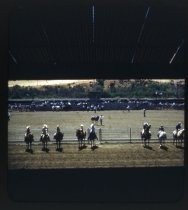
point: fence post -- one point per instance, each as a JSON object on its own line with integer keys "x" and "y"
{"x": 100, "y": 134}
{"x": 130, "y": 135}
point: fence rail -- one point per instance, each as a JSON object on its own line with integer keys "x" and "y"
{"x": 121, "y": 135}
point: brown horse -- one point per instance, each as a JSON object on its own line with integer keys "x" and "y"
{"x": 29, "y": 138}
{"x": 58, "y": 137}
{"x": 95, "y": 118}
{"x": 81, "y": 135}
{"x": 146, "y": 135}
{"x": 92, "y": 136}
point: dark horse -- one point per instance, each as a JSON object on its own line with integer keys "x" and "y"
{"x": 44, "y": 139}
{"x": 58, "y": 137}
{"x": 95, "y": 118}
{"x": 29, "y": 138}
{"x": 146, "y": 135}
{"x": 92, "y": 136}
{"x": 81, "y": 135}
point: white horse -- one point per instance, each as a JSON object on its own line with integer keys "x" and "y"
{"x": 178, "y": 136}
{"x": 162, "y": 137}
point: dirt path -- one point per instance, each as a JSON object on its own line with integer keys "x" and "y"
{"x": 106, "y": 155}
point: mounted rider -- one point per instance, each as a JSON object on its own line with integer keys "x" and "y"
{"x": 178, "y": 127}
{"x": 58, "y": 129}
{"x": 82, "y": 128}
{"x": 146, "y": 126}
{"x": 45, "y": 131}
{"x": 161, "y": 131}
{"x": 28, "y": 131}
{"x": 161, "y": 128}
{"x": 80, "y": 132}
{"x": 92, "y": 128}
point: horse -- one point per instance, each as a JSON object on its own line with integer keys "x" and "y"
{"x": 81, "y": 135}
{"x": 95, "y": 118}
{"x": 92, "y": 136}
{"x": 146, "y": 135}
{"x": 28, "y": 138}
{"x": 58, "y": 137}
{"x": 178, "y": 136}
{"x": 44, "y": 139}
{"x": 162, "y": 137}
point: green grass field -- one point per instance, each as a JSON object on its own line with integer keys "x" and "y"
{"x": 114, "y": 122}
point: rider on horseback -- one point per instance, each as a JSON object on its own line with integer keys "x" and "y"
{"x": 44, "y": 131}
{"x": 58, "y": 129}
{"x": 82, "y": 128}
{"x": 178, "y": 127}
{"x": 92, "y": 128}
{"x": 146, "y": 126}
{"x": 161, "y": 128}
{"x": 28, "y": 131}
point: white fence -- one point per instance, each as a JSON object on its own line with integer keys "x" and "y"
{"x": 105, "y": 135}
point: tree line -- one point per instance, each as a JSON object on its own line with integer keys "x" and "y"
{"x": 104, "y": 89}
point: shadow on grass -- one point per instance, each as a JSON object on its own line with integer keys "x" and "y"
{"x": 29, "y": 151}
{"x": 59, "y": 149}
{"x": 94, "y": 147}
{"x": 45, "y": 150}
{"x": 179, "y": 147}
{"x": 164, "y": 147}
{"x": 148, "y": 147}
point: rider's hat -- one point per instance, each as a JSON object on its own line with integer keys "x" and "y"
{"x": 81, "y": 125}
{"x": 28, "y": 127}
{"x": 45, "y": 126}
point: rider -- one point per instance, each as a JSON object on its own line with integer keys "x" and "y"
{"x": 145, "y": 125}
{"x": 161, "y": 128}
{"x": 178, "y": 127}
{"x": 101, "y": 118}
{"x": 58, "y": 129}
{"x": 44, "y": 130}
{"x": 28, "y": 131}
{"x": 82, "y": 128}
{"x": 92, "y": 128}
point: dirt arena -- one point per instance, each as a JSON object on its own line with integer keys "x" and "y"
{"x": 107, "y": 154}
{"x": 120, "y": 155}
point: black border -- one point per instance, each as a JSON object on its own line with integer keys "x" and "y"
{"x": 5, "y": 199}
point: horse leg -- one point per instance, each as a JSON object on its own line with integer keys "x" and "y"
{"x": 56, "y": 145}
{"x": 27, "y": 146}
